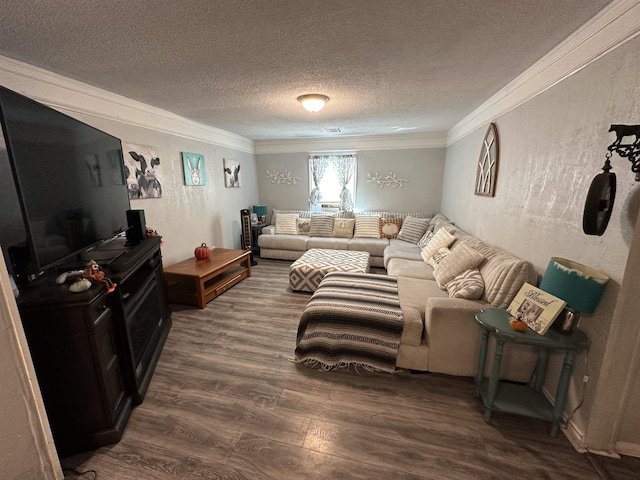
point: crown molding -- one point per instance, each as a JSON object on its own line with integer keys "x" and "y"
{"x": 615, "y": 25}
{"x": 351, "y": 144}
{"x": 74, "y": 97}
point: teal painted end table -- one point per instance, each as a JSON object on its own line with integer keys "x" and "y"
{"x": 523, "y": 399}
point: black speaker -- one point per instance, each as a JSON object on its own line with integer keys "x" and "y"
{"x": 23, "y": 264}
{"x": 137, "y": 230}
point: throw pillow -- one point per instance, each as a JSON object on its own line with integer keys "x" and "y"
{"x": 286, "y": 223}
{"x": 413, "y": 229}
{"x": 321, "y": 226}
{"x": 390, "y": 227}
{"x": 437, "y": 218}
{"x": 461, "y": 259}
{"x": 303, "y": 226}
{"x": 425, "y": 239}
{"x": 468, "y": 285}
{"x": 343, "y": 227}
{"x": 367, "y": 226}
{"x": 440, "y": 239}
{"x": 437, "y": 257}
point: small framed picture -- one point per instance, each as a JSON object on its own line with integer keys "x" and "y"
{"x": 536, "y": 307}
{"x": 193, "y": 166}
{"x": 231, "y": 173}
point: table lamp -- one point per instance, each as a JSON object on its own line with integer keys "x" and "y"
{"x": 261, "y": 212}
{"x": 578, "y": 285}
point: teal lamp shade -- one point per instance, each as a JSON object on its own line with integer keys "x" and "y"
{"x": 261, "y": 212}
{"x": 578, "y": 285}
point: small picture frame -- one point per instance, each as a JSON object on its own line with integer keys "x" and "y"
{"x": 231, "y": 173}
{"x": 254, "y": 219}
{"x": 193, "y": 168}
{"x": 537, "y": 308}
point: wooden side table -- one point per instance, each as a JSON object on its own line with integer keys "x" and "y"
{"x": 522, "y": 399}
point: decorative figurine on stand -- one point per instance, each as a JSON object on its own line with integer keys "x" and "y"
{"x": 151, "y": 232}
{"x": 92, "y": 273}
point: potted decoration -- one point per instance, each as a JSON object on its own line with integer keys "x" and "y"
{"x": 202, "y": 252}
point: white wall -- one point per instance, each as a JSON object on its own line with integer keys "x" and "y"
{"x": 550, "y": 149}
{"x": 423, "y": 168}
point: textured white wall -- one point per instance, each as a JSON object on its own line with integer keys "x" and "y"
{"x": 550, "y": 149}
{"x": 422, "y": 167}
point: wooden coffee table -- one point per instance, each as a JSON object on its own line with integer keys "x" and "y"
{"x": 197, "y": 282}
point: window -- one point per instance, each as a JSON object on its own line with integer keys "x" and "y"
{"x": 332, "y": 181}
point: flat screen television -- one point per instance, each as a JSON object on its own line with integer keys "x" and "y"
{"x": 68, "y": 184}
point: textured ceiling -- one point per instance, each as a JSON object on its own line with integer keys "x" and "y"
{"x": 390, "y": 66}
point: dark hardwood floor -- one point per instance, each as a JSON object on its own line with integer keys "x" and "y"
{"x": 226, "y": 402}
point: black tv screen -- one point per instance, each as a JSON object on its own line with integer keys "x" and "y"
{"x": 68, "y": 177}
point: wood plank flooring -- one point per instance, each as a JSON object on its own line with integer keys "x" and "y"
{"x": 226, "y": 402}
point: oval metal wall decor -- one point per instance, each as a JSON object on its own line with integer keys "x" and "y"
{"x": 487, "y": 171}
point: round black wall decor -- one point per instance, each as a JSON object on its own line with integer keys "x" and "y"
{"x": 599, "y": 203}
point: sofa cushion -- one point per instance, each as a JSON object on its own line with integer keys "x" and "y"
{"x": 343, "y": 227}
{"x": 300, "y": 213}
{"x": 401, "y": 267}
{"x": 367, "y": 226}
{"x": 442, "y": 238}
{"x": 503, "y": 273}
{"x": 438, "y": 219}
{"x": 468, "y": 284}
{"x": 390, "y": 227}
{"x": 428, "y": 235}
{"x": 321, "y": 226}
{"x": 413, "y": 327}
{"x": 283, "y": 242}
{"x": 400, "y": 249}
{"x": 286, "y": 223}
{"x": 334, "y": 243}
{"x": 413, "y": 229}
{"x": 456, "y": 262}
{"x": 437, "y": 257}
{"x": 414, "y": 292}
{"x": 375, "y": 246}
{"x": 303, "y": 225}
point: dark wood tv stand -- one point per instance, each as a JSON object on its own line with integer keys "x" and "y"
{"x": 94, "y": 353}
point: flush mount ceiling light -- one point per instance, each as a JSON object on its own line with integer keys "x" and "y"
{"x": 313, "y": 102}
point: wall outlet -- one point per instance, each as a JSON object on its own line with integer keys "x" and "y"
{"x": 585, "y": 379}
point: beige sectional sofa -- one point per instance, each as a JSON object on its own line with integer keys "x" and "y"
{"x": 440, "y": 333}
{"x": 291, "y": 247}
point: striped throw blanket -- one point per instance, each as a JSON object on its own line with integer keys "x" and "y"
{"x": 351, "y": 319}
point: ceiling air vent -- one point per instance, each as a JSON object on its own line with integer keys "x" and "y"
{"x": 334, "y": 130}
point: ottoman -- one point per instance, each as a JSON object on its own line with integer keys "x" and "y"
{"x": 306, "y": 273}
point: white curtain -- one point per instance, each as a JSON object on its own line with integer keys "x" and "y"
{"x": 345, "y": 166}
{"x": 318, "y": 167}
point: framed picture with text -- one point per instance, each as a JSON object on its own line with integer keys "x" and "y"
{"x": 536, "y": 307}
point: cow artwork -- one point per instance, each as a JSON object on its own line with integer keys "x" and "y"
{"x": 141, "y": 165}
{"x": 193, "y": 165}
{"x": 231, "y": 173}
